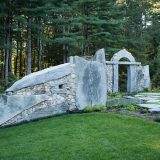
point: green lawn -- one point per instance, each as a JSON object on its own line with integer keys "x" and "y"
{"x": 97, "y": 136}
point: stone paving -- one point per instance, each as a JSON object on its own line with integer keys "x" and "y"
{"x": 150, "y": 100}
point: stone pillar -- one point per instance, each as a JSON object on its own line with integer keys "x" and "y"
{"x": 100, "y": 56}
{"x": 90, "y": 83}
{"x": 131, "y": 83}
{"x": 142, "y": 78}
{"x": 115, "y": 78}
{"x": 147, "y": 81}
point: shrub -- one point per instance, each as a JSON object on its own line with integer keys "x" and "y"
{"x": 116, "y": 95}
{"x": 146, "y": 89}
{"x": 11, "y": 79}
{"x": 130, "y": 106}
{"x": 157, "y": 119}
{"x": 94, "y": 108}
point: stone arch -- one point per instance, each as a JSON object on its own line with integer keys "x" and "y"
{"x": 123, "y": 54}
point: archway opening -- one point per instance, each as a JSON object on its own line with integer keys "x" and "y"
{"x": 123, "y": 78}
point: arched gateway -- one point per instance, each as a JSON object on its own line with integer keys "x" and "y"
{"x": 138, "y": 75}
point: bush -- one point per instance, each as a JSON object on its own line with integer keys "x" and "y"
{"x": 132, "y": 107}
{"x": 116, "y": 95}
{"x": 147, "y": 89}
{"x": 157, "y": 119}
{"x": 94, "y": 108}
{"x": 122, "y": 105}
{"x": 11, "y": 79}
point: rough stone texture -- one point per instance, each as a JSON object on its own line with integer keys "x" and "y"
{"x": 40, "y": 100}
{"x": 131, "y": 82}
{"x": 138, "y": 76}
{"x": 109, "y": 76}
{"x": 91, "y": 83}
{"x": 10, "y": 106}
{"x": 151, "y": 101}
{"x": 142, "y": 78}
{"x": 151, "y": 107}
{"x": 100, "y": 56}
{"x": 123, "y": 54}
{"x": 55, "y": 90}
{"x": 68, "y": 87}
{"x": 42, "y": 77}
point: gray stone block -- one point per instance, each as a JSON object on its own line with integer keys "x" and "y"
{"x": 123, "y": 54}
{"x": 100, "y": 56}
{"x": 10, "y": 106}
{"x": 91, "y": 83}
{"x": 43, "y": 76}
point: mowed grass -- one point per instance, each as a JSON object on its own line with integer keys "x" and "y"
{"x": 90, "y": 136}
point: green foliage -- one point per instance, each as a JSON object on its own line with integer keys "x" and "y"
{"x": 122, "y": 105}
{"x": 116, "y": 95}
{"x": 147, "y": 89}
{"x": 63, "y": 28}
{"x": 11, "y": 79}
{"x": 94, "y": 108}
{"x": 131, "y": 107}
{"x": 156, "y": 118}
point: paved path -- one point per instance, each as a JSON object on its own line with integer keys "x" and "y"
{"x": 150, "y": 101}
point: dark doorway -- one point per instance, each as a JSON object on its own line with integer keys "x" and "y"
{"x": 123, "y": 76}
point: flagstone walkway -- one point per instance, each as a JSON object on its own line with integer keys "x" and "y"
{"x": 150, "y": 100}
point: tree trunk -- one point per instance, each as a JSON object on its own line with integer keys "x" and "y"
{"x": 40, "y": 53}
{"x": 16, "y": 58}
{"x": 29, "y": 49}
{"x": 85, "y": 46}
{"x": 20, "y": 57}
{"x": 7, "y": 58}
{"x": 3, "y": 59}
{"x": 10, "y": 53}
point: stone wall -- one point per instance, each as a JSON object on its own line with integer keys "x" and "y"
{"x": 59, "y": 98}
{"x": 55, "y": 90}
{"x": 109, "y": 76}
{"x": 68, "y": 87}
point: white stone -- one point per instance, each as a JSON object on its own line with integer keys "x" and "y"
{"x": 43, "y": 76}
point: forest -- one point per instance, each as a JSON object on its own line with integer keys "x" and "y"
{"x": 36, "y": 34}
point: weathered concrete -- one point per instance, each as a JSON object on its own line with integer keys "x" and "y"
{"x": 115, "y": 78}
{"x": 123, "y": 62}
{"x": 41, "y": 77}
{"x": 69, "y": 87}
{"x": 100, "y": 56}
{"x": 109, "y": 76}
{"x": 131, "y": 83}
{"x": 123, "y": 54}
{"x": 142, "y": 78}
{"x": 39, "y": 99}
{"x": 10, "y": 106}
{"x": 138, "y": 76}
{"x": 91, "y": 83}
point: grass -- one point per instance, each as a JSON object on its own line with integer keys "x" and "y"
{"x": 89, "y": 136}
